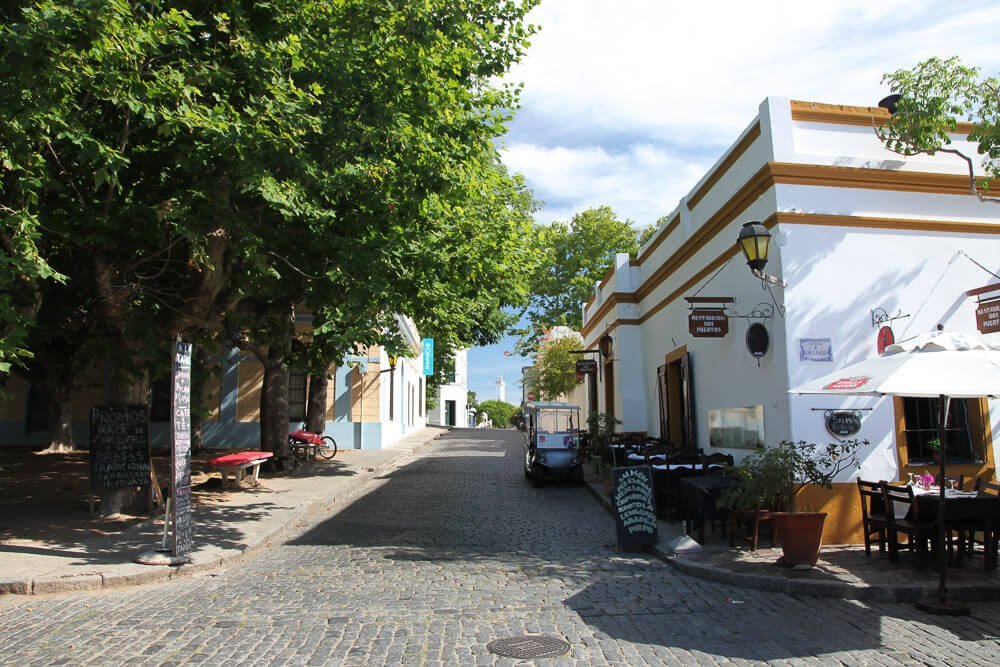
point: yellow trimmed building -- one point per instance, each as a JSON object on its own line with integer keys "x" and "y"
{"x": 368, "y": 406}
{"x": 872, "y": 246}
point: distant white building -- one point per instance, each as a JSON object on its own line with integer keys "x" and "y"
{"x": 452, "y": 407}
{"x": 501, "y": 390}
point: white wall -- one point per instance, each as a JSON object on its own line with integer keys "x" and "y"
{"x": 836, "y": 275}
{"x": 457, "y": 392}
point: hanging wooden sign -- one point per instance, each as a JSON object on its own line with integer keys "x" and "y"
{"x": 586, "y": 366}
{"x": 708, "y": 323}
{"x": 988, "y": 317}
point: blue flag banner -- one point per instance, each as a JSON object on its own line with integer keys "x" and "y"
{"x": 428, "y": 356}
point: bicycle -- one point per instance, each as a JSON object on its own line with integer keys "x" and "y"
{"x": 303, "y": 442}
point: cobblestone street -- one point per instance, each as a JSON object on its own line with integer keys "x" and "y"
{"x": 453, "y": 549}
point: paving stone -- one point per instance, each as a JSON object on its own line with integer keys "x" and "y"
{"x": 455, "y": 549}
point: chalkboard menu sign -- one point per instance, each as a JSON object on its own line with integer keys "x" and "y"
{"x": 180, "y": 486}
{"x": 119, "y": 446}
{"x": 635, "y": 513}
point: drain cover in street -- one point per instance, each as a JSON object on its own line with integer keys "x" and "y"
{"x": 528, "y": 646}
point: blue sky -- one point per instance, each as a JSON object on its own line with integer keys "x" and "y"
{"x": 629, "y": 102}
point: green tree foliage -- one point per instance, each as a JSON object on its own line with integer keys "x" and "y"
{"x": 209, "y": 168}
{"x": 571, "y": 258}
{"x": 555, "y": 366}
{"x": 500, "y": 412}
{"x": 934, "y": 97}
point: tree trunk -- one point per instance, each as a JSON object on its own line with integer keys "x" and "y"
{"x": 199, "y": 372}
{"x": 60, "y": 421}
{"x": 274, "y": 406}
{"x": 126, "y": 390}
{"x": 316, "y": 407}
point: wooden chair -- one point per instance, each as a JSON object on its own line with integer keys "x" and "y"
{"x": 917, "y": 530}
{"x": 974, "y": 533}
{"x": 669, "y": 493}
{"x": 716, "y": 464}
{"x": 756, "y": 520}
{"x": 874, "y": 521}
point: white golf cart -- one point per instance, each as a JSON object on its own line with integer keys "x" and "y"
{"x": 552, "y": 442}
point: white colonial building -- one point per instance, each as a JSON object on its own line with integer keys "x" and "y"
{"x": 453, "y": 399}
{"x": 704, "y": 353}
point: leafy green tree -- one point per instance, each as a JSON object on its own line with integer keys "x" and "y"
{"x": 934, "y": 97}
{"x": 555, "y": 365}
{"x": 237, "y": 160}
{"x": 500, "y": 412}
{"x": 572, "y": 257}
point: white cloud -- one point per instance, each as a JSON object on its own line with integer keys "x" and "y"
{"x": 642, "y": 182}
{"x": 628, "y": 103}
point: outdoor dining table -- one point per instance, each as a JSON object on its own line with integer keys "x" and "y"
{"x": 698, "y": 497}
{"x": 964, "y": 506}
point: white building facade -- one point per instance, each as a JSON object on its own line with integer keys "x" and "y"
{"x": 453, "y": 399}
{"x": 865, "y": 239}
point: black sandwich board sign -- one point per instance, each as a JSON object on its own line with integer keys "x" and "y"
{"x": 180, "y": 450}
{"x": 635, "y": 512}
{"x": 119, "y": 446}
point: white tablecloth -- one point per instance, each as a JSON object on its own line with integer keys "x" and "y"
{"x": 901, "y": 509}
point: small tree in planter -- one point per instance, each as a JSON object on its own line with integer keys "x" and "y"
{"x": 771, "y": 478}
{"x": 601, "y": 427}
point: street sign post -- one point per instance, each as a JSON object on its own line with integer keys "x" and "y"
{"x": 180, "y": 484}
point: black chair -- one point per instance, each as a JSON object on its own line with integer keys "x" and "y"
{"x": 874, "y": 521}
{"x": 716, "y": 463}
{"x": 668, "y": 496}
{"x": 903, "y": 516}
{"x": 973, "y": 533}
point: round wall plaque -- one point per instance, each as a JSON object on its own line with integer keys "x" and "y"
{"x": 758, "y": 340}
{"x": 843, "y": 423}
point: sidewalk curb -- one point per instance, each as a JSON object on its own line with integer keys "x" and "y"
{"x": 808, "y": 587}
{"x": 138, "y": 575}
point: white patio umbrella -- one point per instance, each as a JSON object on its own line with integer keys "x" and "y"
{"x": 942, "y": 365}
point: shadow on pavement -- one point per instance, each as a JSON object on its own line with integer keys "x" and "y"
{"x": 478, "y": 508}
{"x": 45, "y": 506}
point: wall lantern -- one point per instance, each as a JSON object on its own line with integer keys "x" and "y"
{"x": 606, "y": 345}
{"x": 393, "y": 360}
{"x": 755, "y": 241}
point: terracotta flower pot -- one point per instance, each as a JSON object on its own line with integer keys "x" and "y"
{"x": 801, "y": 536}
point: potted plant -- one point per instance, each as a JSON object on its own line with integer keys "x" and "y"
{"x": 601, "y": 428}
{"x": 773, "y": 478}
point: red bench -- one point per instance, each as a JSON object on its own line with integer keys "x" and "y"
{"x": 238, "y": 464}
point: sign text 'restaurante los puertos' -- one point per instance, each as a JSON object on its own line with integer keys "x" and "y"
{"x": 708, "y": 323}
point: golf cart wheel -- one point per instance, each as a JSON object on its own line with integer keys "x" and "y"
{"x": 327, "y": 449}
{"x": 537, "y": 475}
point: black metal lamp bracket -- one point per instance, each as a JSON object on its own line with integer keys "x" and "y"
{"x": 880, "y": 317}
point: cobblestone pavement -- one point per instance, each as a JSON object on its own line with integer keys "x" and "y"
{"x": 452, "y": 550}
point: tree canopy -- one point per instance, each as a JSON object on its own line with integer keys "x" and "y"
{"x": 933, "y": 97}
{"x": 211, "y": 168}
{"x": 500, "y": 412}
{"x": 572, "y": 257}
{"x": 554, "y": 372}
